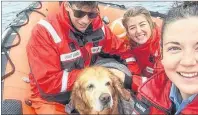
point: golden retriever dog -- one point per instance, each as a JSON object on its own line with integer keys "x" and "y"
{"x": 96, "y": 91}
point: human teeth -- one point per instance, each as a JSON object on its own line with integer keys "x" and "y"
{"x": 140, "y": 36}
{"x": 189, "y": 74}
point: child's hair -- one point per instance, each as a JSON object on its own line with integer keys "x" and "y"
{"x": 180, "y": 11}
{"x": 80, "y": 4}
{"x": 135, "y": 11}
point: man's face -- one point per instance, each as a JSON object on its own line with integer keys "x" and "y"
{"x": 81, "y": 17}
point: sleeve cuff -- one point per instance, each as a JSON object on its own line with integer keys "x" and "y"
{"x": 127, "y": 82}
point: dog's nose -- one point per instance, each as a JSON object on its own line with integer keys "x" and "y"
{"x": 105, "y": 98}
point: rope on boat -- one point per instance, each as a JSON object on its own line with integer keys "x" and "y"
{"x": 11, "y": 63}
{"x": 14, "y": 28}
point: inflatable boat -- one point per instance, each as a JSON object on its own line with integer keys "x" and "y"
{"x": 14, "y": 66}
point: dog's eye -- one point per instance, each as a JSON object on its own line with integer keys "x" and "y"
{"x": 90, "y": 86}
{"x": 108, "y": 84}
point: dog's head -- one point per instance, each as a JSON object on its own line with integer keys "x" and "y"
{"x": 97, "y": 90}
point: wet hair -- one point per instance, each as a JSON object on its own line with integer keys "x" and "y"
{"x": 80, "y": 4}
{"x": 135, "y": 11}
{"x": 181, "y": 10}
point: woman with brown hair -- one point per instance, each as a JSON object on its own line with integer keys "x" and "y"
{"x": 144, "y": 43}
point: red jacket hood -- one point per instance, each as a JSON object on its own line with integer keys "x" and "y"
{"x": 157, "y": 91}
{"x": 63, "y": 16}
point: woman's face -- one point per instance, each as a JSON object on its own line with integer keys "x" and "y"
{"x": 138, "y": 29}
{"x": 180, "y": 54}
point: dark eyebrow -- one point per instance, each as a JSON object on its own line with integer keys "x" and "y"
{"x": 176, "y": 43}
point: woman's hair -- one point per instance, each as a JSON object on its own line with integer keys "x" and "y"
{"x": 135, "y": 11}
{"x": 182, "y": 10}
{"x": 80, "y": 4}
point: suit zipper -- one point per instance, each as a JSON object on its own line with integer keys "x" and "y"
{"x": 156, "y": 106}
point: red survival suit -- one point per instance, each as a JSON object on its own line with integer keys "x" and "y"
{"x": 153, "y": 97}
{"x": 144, "y": 60}
{"x": 57, "y": 52}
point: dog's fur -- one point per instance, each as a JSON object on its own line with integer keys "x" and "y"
{"x": 91, "y": 84}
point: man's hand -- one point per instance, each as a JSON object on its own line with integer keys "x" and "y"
{"x": 118, "y": 73}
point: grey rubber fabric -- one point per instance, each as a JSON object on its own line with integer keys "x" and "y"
{"x": 11, "y": 106}
{"x": 126, "y": 107}
{"x": 112, "y": 63}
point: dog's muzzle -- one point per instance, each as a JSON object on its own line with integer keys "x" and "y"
{"x": 105, "y": 99}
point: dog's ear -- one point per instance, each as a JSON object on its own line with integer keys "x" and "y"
{"x": 78, "y": 99}
{"x": 119, "y": 87}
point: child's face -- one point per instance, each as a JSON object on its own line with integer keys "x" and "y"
{"x": 138, "y": 29}
{"x": 180, "y": 54}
